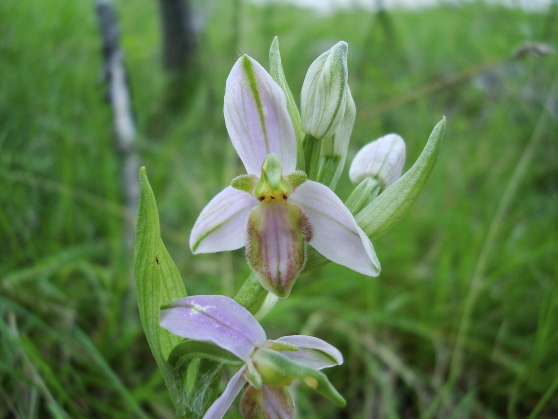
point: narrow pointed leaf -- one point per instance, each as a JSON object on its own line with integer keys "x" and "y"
{"x": 195, "y": 349}
{"x": 276, "y": 71}
{"x": 157, "y": 282}
{"x": 391, "y": 205}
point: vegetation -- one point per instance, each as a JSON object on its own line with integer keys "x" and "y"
{"x": 460, "y": 324}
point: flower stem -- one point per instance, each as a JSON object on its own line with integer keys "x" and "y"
{"x": 328, "y": 171}
{"x": 311, "y": 156}
{"x": 251, "y": 295}
{"x": 365, "y": 192}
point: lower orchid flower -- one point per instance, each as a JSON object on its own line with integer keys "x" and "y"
{"x": 274, "y": 210}
{"x": 269, "y": 366}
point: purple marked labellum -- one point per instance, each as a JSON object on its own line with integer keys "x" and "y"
{"x": 277, "y": 234}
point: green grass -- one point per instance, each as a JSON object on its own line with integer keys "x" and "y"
{"x": 460, "y": 324}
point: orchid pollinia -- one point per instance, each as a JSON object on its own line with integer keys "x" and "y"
{"x": 274, "y": 210}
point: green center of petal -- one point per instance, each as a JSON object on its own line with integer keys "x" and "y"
{"x": 272, "y": 186}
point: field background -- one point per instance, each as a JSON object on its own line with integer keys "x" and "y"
{"x": 462, "y": 322}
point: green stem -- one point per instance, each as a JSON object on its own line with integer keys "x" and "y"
{"x": 251, "y": 295}
{"x": 328, "y": 170}
{"x": 365, "y": 192}
{"x": 311, "y": 156}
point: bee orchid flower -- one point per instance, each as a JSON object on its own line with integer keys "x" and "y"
{"x": 268, "y": 366}
{"x": 274, "y": 210}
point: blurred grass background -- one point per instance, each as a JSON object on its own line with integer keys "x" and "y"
{"x": 460, "y": 324}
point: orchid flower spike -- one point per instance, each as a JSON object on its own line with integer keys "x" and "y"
{"x": 268, "y": 365}
{"x": 274, "y": 210}
{"x": 382, "y": 159}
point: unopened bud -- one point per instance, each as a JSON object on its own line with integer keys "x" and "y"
{"x": 323, "y": 98}
{"x": 336, "y": 145}
{"x": 382, "y": 159}
{"x": 334, "y": 149}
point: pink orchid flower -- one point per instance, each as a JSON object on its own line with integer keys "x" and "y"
{"x": 274, "y": 210}
{"x": 269, "y": 366}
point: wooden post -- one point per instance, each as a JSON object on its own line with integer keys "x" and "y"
{"x": 120, "y": 100}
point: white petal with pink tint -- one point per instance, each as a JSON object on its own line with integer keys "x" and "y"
{"x": 222, "y": 222}
{"x": 336, "y": 233}
{"x": 216, "y": 319}
{"x": 312, "y": 351}
{"x": 257, "y": 118}
{"x": 222, "y": 404}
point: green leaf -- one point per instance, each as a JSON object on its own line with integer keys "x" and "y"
{"x": 195, "y": 349}
{"x": 276, "y": 71}
{"x": 157, "y": 282}
{"x": 200, "y": 379}
{"x": 391, "y": 205}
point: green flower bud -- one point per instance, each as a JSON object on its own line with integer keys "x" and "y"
{"x": 323, "y": 97}
{"x": 333, "y": 149}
